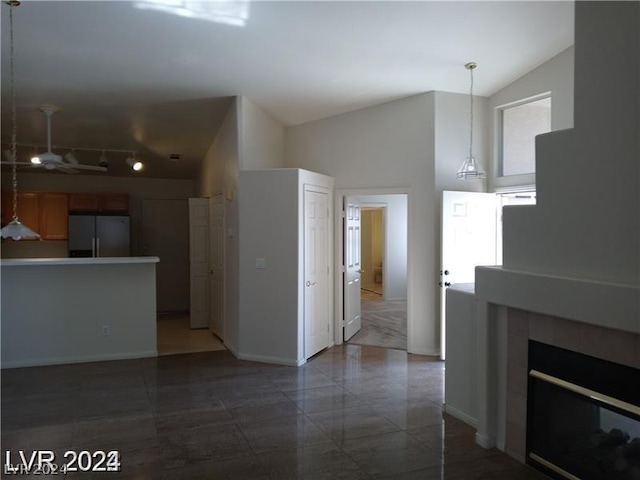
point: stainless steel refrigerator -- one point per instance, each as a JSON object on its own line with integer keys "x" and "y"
{"x": 99, "y": 236}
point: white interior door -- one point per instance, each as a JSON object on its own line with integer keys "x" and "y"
{"x": 199, "y": 261}
{"x": 468, "y": 239}
{"x": 316, "y": 270}
{"x": 216, "y": 315}
{"x": 352, "y": 267}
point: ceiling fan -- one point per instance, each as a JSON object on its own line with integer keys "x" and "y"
{"x": 53, "y": 161}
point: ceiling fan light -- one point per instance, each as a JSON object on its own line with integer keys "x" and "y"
{"x": 36, "y": 160}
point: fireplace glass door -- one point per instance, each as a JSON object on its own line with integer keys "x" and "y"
{"x": 579, "y": 431}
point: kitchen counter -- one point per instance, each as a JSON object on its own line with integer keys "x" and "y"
{"x": 69, "y": 310}
{"x": 15, "y": 262}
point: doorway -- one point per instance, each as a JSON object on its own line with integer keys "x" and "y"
{"x": 381, "y": 248}
{"x": 372, "y": 246}
{"x": 164, "y": 233}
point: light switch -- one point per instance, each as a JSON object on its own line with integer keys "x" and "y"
{"x": 261, "y": 263}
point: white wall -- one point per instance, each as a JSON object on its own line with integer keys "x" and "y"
{"x": 261, "y": 138}
{"x": 388, "y": 145}
{"x": 395, "y": 242}
{"x": 555, "y": 76}
{"x": 269, "y": 300}
{"x": 586, "y": 223}
{"x": 219, "y": 174}
{"x": 55, "y": 313}
{"x": 272, "y": 228}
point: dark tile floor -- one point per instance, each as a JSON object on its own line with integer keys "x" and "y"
{"x": 352, "y": 412}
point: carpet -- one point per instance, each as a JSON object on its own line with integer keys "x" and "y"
{"x": 384, "y": 322}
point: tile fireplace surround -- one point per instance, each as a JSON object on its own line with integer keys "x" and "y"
{"x": 598, "y": 319}
{"x": 604, "y": 343}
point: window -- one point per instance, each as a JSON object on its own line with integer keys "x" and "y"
{"x": 520, "y": 124}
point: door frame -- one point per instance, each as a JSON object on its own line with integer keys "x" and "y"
{"x": 339, "y": 196}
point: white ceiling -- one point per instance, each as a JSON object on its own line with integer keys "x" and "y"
{"x": 130, "y": 75}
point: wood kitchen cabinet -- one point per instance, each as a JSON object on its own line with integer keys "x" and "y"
{"x": 113, "y": 202}
{"x": 54, "y": 216}
{"x": 99, "y": 202}
{"x": 83, "y": 202}
{"x": 43, "y": 212}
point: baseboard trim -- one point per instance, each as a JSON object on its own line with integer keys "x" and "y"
{"x": 233, "y": 350}
{"x": 485, "y": 442}
{"x": 428, "y": 353}
{"x": 41, "y": 362}
{"x": 269, "y": 359}
{"x": 463, "y": 417}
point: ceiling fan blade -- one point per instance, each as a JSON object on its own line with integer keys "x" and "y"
{"x": 88, "y": 167}
{"x": 16, "y": 163}
{"x": 69, "y": 170}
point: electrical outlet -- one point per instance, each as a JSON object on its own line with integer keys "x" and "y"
{"x": 105, "y": 330}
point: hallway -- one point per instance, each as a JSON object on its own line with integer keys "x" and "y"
{"x": 384, "y": 322}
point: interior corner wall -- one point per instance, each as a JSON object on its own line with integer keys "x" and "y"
{"x": 219, "y": 174}
{"x": 387, "y": 145}
{"x": 586, "y": 223}
{"x": 261, "y": 138}
{"x": 555, "y": 76}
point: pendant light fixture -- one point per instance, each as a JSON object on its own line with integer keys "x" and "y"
{"x": 14, "y": 229}
{"x": 471, "y": 169}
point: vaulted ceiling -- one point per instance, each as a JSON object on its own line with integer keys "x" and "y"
{"x": 156, "y": 76}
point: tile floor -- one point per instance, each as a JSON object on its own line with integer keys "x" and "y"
{"x": 352, "y": 412}
{"x": 175, "y": 336}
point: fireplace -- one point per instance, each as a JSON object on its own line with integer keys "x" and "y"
{"x": 583, "y": 416}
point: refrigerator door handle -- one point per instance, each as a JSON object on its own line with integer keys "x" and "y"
{"x": 93, "y": 247}
{"x": 97, "y": 247}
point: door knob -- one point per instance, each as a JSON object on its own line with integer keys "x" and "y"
{"x": 446, "y": 272}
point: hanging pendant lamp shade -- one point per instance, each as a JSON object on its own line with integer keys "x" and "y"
{"x": 471, "y": 169}
{"x": 14, "y": 229}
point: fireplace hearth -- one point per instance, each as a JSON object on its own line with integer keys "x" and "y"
{"x": 583, "y": 416}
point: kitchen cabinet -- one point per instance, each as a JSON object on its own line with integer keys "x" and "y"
{"x": 87, "y": 202}
{"x": 99, "y": 202}
{"x": 53, "y": 216}
{"x": 113, "y": 202}
{"x": 43, "y": 212}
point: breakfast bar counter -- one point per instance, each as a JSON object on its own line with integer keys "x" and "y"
{"x": 68, "y": 310}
